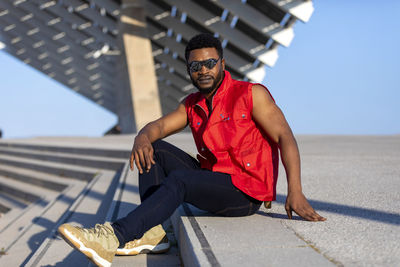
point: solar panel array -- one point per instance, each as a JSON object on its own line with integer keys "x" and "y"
{"x": 76, "y": 41}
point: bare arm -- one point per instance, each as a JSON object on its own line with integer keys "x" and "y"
{"x": 142, "y": 150}
{"x": 271, "y": 119}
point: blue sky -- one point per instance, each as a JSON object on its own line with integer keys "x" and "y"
{"x": 341, "y": 75}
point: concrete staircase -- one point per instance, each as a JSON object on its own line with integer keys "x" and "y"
{"x": 44, "y": 185}
{"x": 45, "y": 182}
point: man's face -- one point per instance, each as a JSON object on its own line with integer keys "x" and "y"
{"x": 206, "y": 79}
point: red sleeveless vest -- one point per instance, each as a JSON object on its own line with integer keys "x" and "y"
{"x": 229, "y": 141}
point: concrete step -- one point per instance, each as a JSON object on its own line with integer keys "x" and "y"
{"x": 258, "y": 240}
{"x": 42, "y": 179}
{"x": 62, "y": 157}
{"x": 29, "y": 230}
{"x": 19, "y": 193}
{"x": 89, "y": 208}
{"x": 71, "y": 148}
{"x": 22, "y": 186}
{"x": 22, "y": 192}
{"x": 16, "y": 210}
{"x": 9, "y": 205}
{"x": 35, "y": 197}
{"x": 66, "y": 170}
{"x": 3, "y": 208}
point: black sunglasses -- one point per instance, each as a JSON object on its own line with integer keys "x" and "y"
{"x": 210, "y": 63}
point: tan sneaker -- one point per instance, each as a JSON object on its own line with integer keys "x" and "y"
{"x": 153, "y": 241}
{"x": 98, "y": 244}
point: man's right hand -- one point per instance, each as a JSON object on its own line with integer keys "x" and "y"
{"x": 142, "y": 153}
{"x": 142, "y": 150}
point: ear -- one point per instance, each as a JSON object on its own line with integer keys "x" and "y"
{"x": 187, "y": 69}
{"x": 223, "y": 63}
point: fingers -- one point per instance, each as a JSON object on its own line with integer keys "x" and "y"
{"x": 137, "y": 162}
{"x": 132, "y": 159}
{"x": 148, "y": 158}
{"x": 310, "y": 215}
{"x": 152, "y": 156}
{"x": 143, "y": 159}
{"x": 289, "y": 212}
{"x": 317, "y": 218}
{"x": 303, "y": 209}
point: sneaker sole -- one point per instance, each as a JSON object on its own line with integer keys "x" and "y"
{"x": 74, "y": 242}
{"x": 160, "y": 248}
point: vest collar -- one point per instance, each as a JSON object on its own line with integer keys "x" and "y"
{"x": 221, "y": 91}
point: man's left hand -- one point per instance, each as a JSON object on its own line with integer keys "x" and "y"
{"x": 298, "y": 203}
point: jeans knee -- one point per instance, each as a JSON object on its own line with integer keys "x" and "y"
{"x": 176, "y": 176}
{"x": 160, "y": 147}
{"x": 175, "y": 181}
{"x": 158, "y": 144}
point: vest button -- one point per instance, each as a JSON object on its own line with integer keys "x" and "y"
{"x": 248, "y": 164}
{"x": 202, "y": 149}
{"x": 243, "y": 116}
{"x": 198, "y": 123}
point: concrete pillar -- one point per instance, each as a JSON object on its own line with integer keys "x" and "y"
{"x": 138, "y": 99}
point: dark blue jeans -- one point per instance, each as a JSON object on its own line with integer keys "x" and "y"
{"x": 176, "y": 178}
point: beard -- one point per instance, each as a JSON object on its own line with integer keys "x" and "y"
{"x": 216, "y": 83}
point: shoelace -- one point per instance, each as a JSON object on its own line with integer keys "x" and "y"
{"x": 98, "y": 230}
{"x": 131, "y": 244}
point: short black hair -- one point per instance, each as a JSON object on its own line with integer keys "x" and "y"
{"x": 203, "y": 40}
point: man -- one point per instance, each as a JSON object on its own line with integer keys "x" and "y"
{"x": 237, "y": 129}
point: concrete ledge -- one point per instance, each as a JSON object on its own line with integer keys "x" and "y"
{"x": 207, "y": 240}
{"x": 189, "y": 245}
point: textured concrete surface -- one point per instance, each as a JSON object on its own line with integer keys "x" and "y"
{"x": 257, "y": 240}
{"x": 354, "y": 181}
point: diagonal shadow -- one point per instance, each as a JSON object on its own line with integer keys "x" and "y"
{"x": 88, "y": 220}
{"x": 352, "y": 211}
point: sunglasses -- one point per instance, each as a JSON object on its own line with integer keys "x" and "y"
{"x": 210, "y": 63}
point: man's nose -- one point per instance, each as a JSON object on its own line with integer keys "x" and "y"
{"x": 203, "y": 69}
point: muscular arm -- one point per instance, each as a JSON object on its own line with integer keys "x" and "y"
{"x": 272, "y": 121}
{"x": 142, "y": 150}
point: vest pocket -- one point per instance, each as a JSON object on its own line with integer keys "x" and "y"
{"x": 253, "y": 164}
{"x": 227, "y": 129}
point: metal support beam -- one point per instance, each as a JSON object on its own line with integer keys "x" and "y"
{"x": 139, "y": 101}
